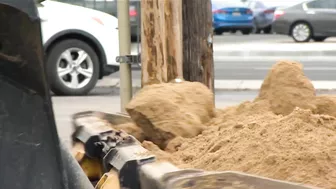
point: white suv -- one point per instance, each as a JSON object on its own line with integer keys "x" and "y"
{"x": 81, "y": 46}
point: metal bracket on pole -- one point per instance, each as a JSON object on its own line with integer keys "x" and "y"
{"x": 129, "y": 59}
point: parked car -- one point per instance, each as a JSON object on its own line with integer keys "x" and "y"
{"x": 263, "y": 15}
{"x": 313, "y": 19}
{"x": 231, "y": 16}
{"x": 80, "y": 44}
{"x": 111, "y": 7}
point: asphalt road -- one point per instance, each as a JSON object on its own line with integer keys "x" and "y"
{"x": 256, "y": 67}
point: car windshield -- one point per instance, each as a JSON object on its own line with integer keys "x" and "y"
{"x": 280, "y": 3}
{"x": 218, "y": 4}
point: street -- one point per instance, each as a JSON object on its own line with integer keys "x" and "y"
{"x": 234, "y": 69}
{"x": 232, "y": 63}
{"x": 237, "y": 64}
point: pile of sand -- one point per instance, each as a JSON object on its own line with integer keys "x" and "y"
{"x": 286, "y": 133}
{"x": 286, "y": 87}
{"x": 300, "y": 147}
{"x": 165, "y": 111}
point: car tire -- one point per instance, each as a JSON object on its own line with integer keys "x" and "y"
{"x": 268, "y": 30}
{"x": 73, "y": 59}
{"x": 218, "y": 32}
{"x": 246, "y": 32}
{"x": 257, "y": 31}
{"x": 319, "y": 39}
{"x": 301, "y": 32}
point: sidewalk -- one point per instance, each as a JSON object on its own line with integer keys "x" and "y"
{"x": 276, "y": 49}
{"x": 226, "y": 84}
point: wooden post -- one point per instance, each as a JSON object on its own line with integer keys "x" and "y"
{"x": 197, "y": 42}
{"x": 161, "y": 41}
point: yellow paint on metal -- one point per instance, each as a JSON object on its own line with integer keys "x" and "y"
{"x": 109, "y": 180}
{"x": 92, "y": 168}
{"x": 78, "y": 151}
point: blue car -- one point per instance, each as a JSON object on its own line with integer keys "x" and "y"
{"x": 263, "y": 15}
{"x": 231, "y": 16}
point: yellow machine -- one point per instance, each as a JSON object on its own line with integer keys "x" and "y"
{"x": 31, "y": 155}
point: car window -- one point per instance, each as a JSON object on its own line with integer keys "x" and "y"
{"x": 281, "y": 3}
{"x": 259, "y": 5}
{"x": 218, "y": 4}
{"x": 322, "y": 4}
{"x": 251, "y": 4}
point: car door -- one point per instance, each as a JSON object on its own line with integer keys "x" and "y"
{"x": 322, "y": 15}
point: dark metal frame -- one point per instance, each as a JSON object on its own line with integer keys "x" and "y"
{"x": 31, "y": 155}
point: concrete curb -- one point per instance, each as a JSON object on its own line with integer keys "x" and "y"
{"x": 276, "y": 49}
{"x": 229, "y": 84}
{"x": 278, "y": 53}
{"x": 244, "y": 59}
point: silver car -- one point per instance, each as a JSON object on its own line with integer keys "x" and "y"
{"x": 263, "y": 15}
{"x": 313, "y": 19}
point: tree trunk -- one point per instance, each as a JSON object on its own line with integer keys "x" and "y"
{"x": 197, "y": 42}
{"x": 161, "y": 41}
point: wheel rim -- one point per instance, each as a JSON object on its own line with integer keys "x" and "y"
{"x": 301, "y": 32}
{"x": 75, "y": 68}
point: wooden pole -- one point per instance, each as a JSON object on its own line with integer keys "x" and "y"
{"x": 161, "y": 41}
{"x": 197, "y": 42}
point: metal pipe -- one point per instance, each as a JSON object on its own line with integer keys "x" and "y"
{"x": 124, "y": 49}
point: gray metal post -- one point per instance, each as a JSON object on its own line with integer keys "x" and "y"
{"x": 124, "y": 49}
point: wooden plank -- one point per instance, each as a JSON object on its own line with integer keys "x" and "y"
{"x": 161, "y": 41}
{"x": 197, "y": 42}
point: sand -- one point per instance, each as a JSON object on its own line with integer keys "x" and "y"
{"x": 286, "y": 87}
{"x": 299, "y": 147}
{"x": 165, "y": 111}
{"x": 286, "y": 133}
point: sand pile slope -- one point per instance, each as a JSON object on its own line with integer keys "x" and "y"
{"x": 325, "y": 104}
{"x": 286, "y": 133}
{"x": 286, "y": 87}
{"x": 299, "y": 147}
{"x": 165, "y": 111}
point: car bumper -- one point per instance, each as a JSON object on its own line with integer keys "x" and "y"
{"x": 265, "y": 24}
{"x": 264, "y": 21}
{"x": 110, "y": 43}
{"x": 110, "y": 69}
{"x": 232, "y": 26}
{"x": 281, "y": 27}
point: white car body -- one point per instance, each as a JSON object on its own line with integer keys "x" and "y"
{"x": 58, "y": 17}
